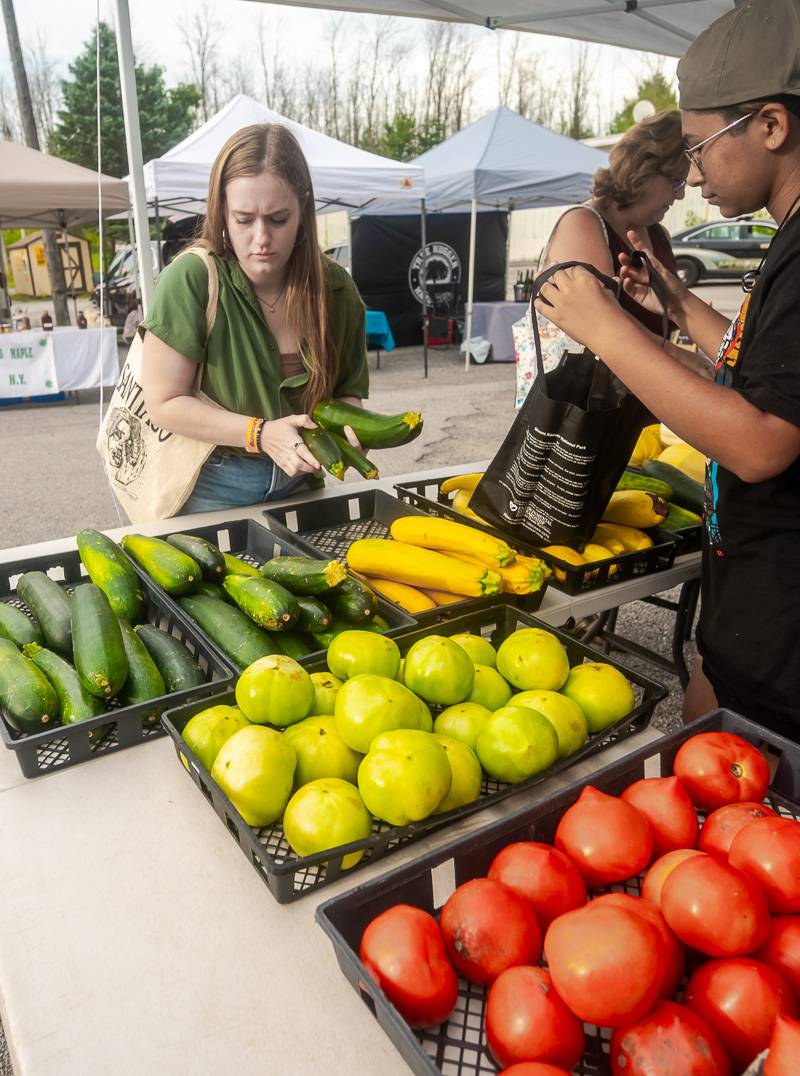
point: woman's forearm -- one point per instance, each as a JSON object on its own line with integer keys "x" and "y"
{"x": 202, "y": 421}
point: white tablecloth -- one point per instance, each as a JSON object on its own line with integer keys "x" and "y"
{"x": 77, "y": 355}
{"x": 493, "y": 321}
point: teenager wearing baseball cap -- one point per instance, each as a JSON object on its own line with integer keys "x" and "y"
{"x": 740, "y": 113}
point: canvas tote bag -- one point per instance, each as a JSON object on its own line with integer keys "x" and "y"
{"x": 152, "y": 471}
{"x": 570, "y": 442}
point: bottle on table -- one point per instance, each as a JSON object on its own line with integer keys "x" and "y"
{"x": 47, "y": 321}
{"x": 81, "y": 320}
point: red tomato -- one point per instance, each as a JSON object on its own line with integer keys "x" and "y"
{"x": 606, "y": 838}
{"x": 722, "y": 825}
{"x": 666, "y": 806}
{"x": 739, "y": 999}
{"x": 606, "y": 963}
{"x": 674, "y": 955}
{"x": 768, "y": 851}
{"x": 403, "y": 951}
{"x": 670, "y": 1040}
{"x": 720, "y": 767}
{"x": 781, "y": 950}
{"x": 526, "y": 1020}
{"x": 661, "y": 870}
{"x": 784, "y": 1047}
{"x": 534, "y": 1068}
{"x": 714, "y": 907}
{"x": 487, "y": 928}
{"x": 542, "y": 875}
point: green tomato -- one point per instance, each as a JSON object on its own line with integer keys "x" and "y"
{"x": 355, "y": 652}
{"x": 206, "y": 732}
{"x": 426, "y": 717}
{"x": 275, "y": 690}
{"x": 438, "y": 670}
{"x": 517, "y": 743}
{"x": 255, "y": 768}
{"x": 326, "y": 688}
{"x": 326, "y": 813}
{"x": 532, "y": 658}
{"x": 466, "y": 771}
{"x": 464, "y": 722}
{"x": 480, "y": 650}
{"x": 405, "y": 776}
{"x": 602, "y": 692}
{"x": 564, "y": 715}
{"x": 321, "y": 752}
{"x": 368, "y": 705}
{"x": 489, "y": 689}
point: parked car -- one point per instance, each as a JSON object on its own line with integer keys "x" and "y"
{"x": 722, "y": 250}
{"x": 120, "y": 283}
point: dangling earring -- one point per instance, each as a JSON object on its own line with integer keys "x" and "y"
{"x": 225, "y": 240}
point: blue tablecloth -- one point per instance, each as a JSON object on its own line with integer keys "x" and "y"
{"x": 378, "y": 332}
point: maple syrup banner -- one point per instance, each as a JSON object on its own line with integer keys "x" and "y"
{"x": 566, "y": 449}
{"x": 27, "y": 365}
{"x": 387, "y": 266}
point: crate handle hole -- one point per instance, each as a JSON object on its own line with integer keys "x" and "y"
{"x": 232, "y": 827}
{"x": 367, "y": 998}
{"x": 224, "y": 541}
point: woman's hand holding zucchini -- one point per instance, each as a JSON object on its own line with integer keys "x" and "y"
{"x": 282, "y": 441}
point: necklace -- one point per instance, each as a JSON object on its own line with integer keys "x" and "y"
{"x": 750, "y": 278}
{"x": 271, "y": 306}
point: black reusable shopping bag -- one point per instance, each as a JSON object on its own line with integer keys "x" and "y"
{"x": 568, "y": 446}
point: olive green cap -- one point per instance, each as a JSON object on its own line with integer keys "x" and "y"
{"x": 752, "y": 52}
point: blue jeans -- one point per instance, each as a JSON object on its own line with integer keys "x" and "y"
{"x": 228, "y": 480}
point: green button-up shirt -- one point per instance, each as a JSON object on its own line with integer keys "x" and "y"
{"x": 243, "y": 371}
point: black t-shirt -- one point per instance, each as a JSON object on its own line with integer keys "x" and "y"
{"x": 749, "y": 630}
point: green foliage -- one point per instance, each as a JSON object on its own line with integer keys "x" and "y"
{"x": 691, "y": 219}
{"x": 404, "y": 138}
{"x": 165, "y": 114}
{"x": 655, "y": 89}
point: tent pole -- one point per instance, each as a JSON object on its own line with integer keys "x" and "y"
{"x": 5, "y": 310}
{"x": 133, "y": 142}
{"x": 159, "y": 261}
{"x": 424, "y": 230}
{"x": 471, "y": 278}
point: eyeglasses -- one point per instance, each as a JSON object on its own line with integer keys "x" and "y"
{"x": 692, "y": 153}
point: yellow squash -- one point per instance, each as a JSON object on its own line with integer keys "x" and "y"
{"x": 519, "y": 577}
{"x": 593, "y": 552}
{"x": 635, "y": 508}
{"x": 462, "y": 481}
{"x": 686, "y": 459}
{"x": 447, "y": 536}
{"x": 408, "y": 598}
{"x": 648, "y": 445}
{"x": 420, "y": 567}
{"x": 563, "y": 552}
{"x": 630, "y": 538}
{"x": 441, "y": 597}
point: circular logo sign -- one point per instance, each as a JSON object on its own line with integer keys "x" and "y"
{"x": 442, "y": 271}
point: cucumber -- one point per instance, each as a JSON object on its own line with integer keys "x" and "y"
{"x": 144, "y": 682}
{"x": 304, "y": 575}
{"x": 355, "y": 459}
{"x": 371, "y": 429}
{"x": 636, "y": 480}
{"x": 352, "y": 602}
{"x": 97, "y": 639}
{"x": 314, "y": 615}
{"x": 237, "y": 566}
{"x": 234, "y": 633}
{"x": 74, "y": 701}
{"x": 27, "y": 697}
{"x": 110, "y": 569}
{"x": 686, "y": 493}
{"x": 268, "y": 604}
{"x": 18, "y": 627}
{"x": 167, "y": 566}
{"x": 296, "y": 644}
{"x": 204, "y": 553}
{"x": 679, "y": 518}
{"x": 211, "y": 590}
{"x": 324, "y": 449}
{"x": 174, "y": 661}
{"x": 50, "y": 605}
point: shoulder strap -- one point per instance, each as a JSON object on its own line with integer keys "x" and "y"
{"x": 213, "y": 283}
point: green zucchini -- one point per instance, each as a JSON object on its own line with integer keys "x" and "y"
{"x": 324, "y": 449}
{"x": 324, "y": 639}
{"x": 144, "y": 682}
{"x": 110, "y": 569}
{"x": 304, "y": 575}
{"x": 237, "y": 566}
{"x": 167, "y": 566}
{"x": 371, "y": 429}
{"x": 635, "y": 480}
{"x": 296, "y": 644}
{"x": 267, "y": 603}
{"x": 204, "y": 553}
{"x": 175, "y": 662}
{"x": 355, "y": 459}
{"x": 378, "y": 623}
{"x": 27, "y": 697}
{"x": 97, "y": 639}
{"x": 686, "y": 493}
{"x": 352, "y": 602}
{"x": 18, "y": 627}
{"x": 314, "y": 615}
{"x": 234, "y": 633}
{"x": 679, "y": 518}
{"x": 211, "y": 590}
{"x": 74, "y": 701}
{"x": 50, "y": 605}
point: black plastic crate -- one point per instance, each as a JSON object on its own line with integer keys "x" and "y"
{"x": 326, "y": 527}
{"x": 426, "y": 496}
{"x": 251, "y": 542}
{"x": 687, "y": 539}
{"x": 290, "y": 877}
{"x": 122, "y": 726}
{"x": 458, "y": 1048}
